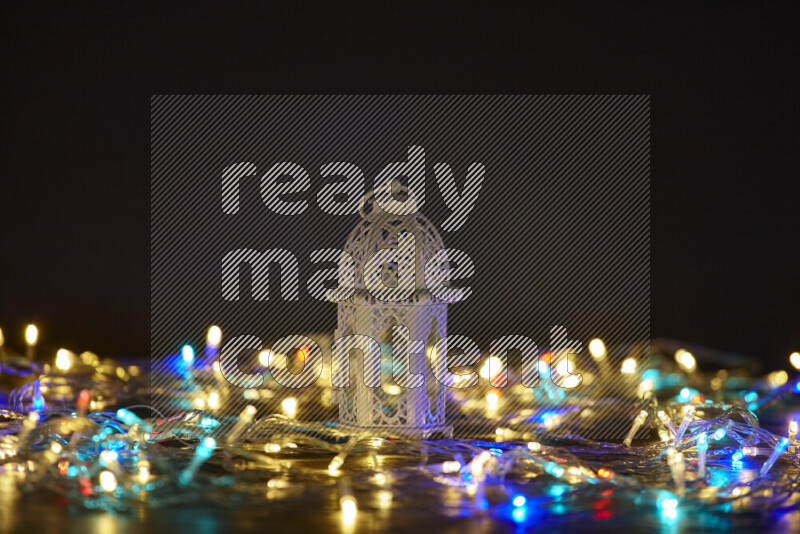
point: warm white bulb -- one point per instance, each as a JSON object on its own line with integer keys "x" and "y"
{"x": 108, "y": 481}
{"x": 492, "y": 366}
{"x": 264, "y": 357}
{"x": 597, "y": 348}
{"x": 794, "y": 359}
{"x": 2, "y": 339}
{"x": 392, "y": 389}
{"x": 349, "y": 509}
{"x": 564, "y": 367}
{"x": 213, "y": 400}
{"x": 685, "y": 359}
{"x": 214, "y": 337}
{"x": 289, "y": 407}
{"x": 628, "y": 366}
{"x": 108, "y": 457}
{"x": 384, "y": 499}
{"x": 492, "y": 400}
{"x": 571, "y": 382}
{"x": 31, "y": 334}
{"x": 451, "y": 466}
{"x": 646, "y": 385}
{"x": 144, "y": 474}
{"x": 63, "y": 359}
{"x": 778, "y": 378}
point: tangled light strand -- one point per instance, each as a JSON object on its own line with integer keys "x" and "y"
{"x": 56, "y": 435}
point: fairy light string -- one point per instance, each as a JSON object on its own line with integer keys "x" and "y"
{"x": 80, "y": 431}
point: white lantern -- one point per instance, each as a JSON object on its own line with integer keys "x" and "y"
{"x": 391, "y": 408}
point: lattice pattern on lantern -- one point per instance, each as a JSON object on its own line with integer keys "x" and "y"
{"x": 392, "y": 408}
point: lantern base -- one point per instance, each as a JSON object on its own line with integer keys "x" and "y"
{"x": 401, "y": 431}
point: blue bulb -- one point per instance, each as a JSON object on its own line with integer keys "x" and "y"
{"x": 207, "y": 423}
{"x": 685, "y": 394}
{"x": 127, "y": 417}
{"x": 519, "y": 514}
{"x": 38, "y": 400}
{"x": 188, "y": 353}
{"x": 554, "y": 469}
{"x": 205, "y": 448}
{"x": 668, "y": 503}
{"x": 518, "y": 500}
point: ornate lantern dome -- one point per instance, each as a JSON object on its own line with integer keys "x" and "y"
{"x": 392, "y": 408}
{"x": 379, "y": 230}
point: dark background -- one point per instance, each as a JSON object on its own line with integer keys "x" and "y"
{"x": 77, "y": 81}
